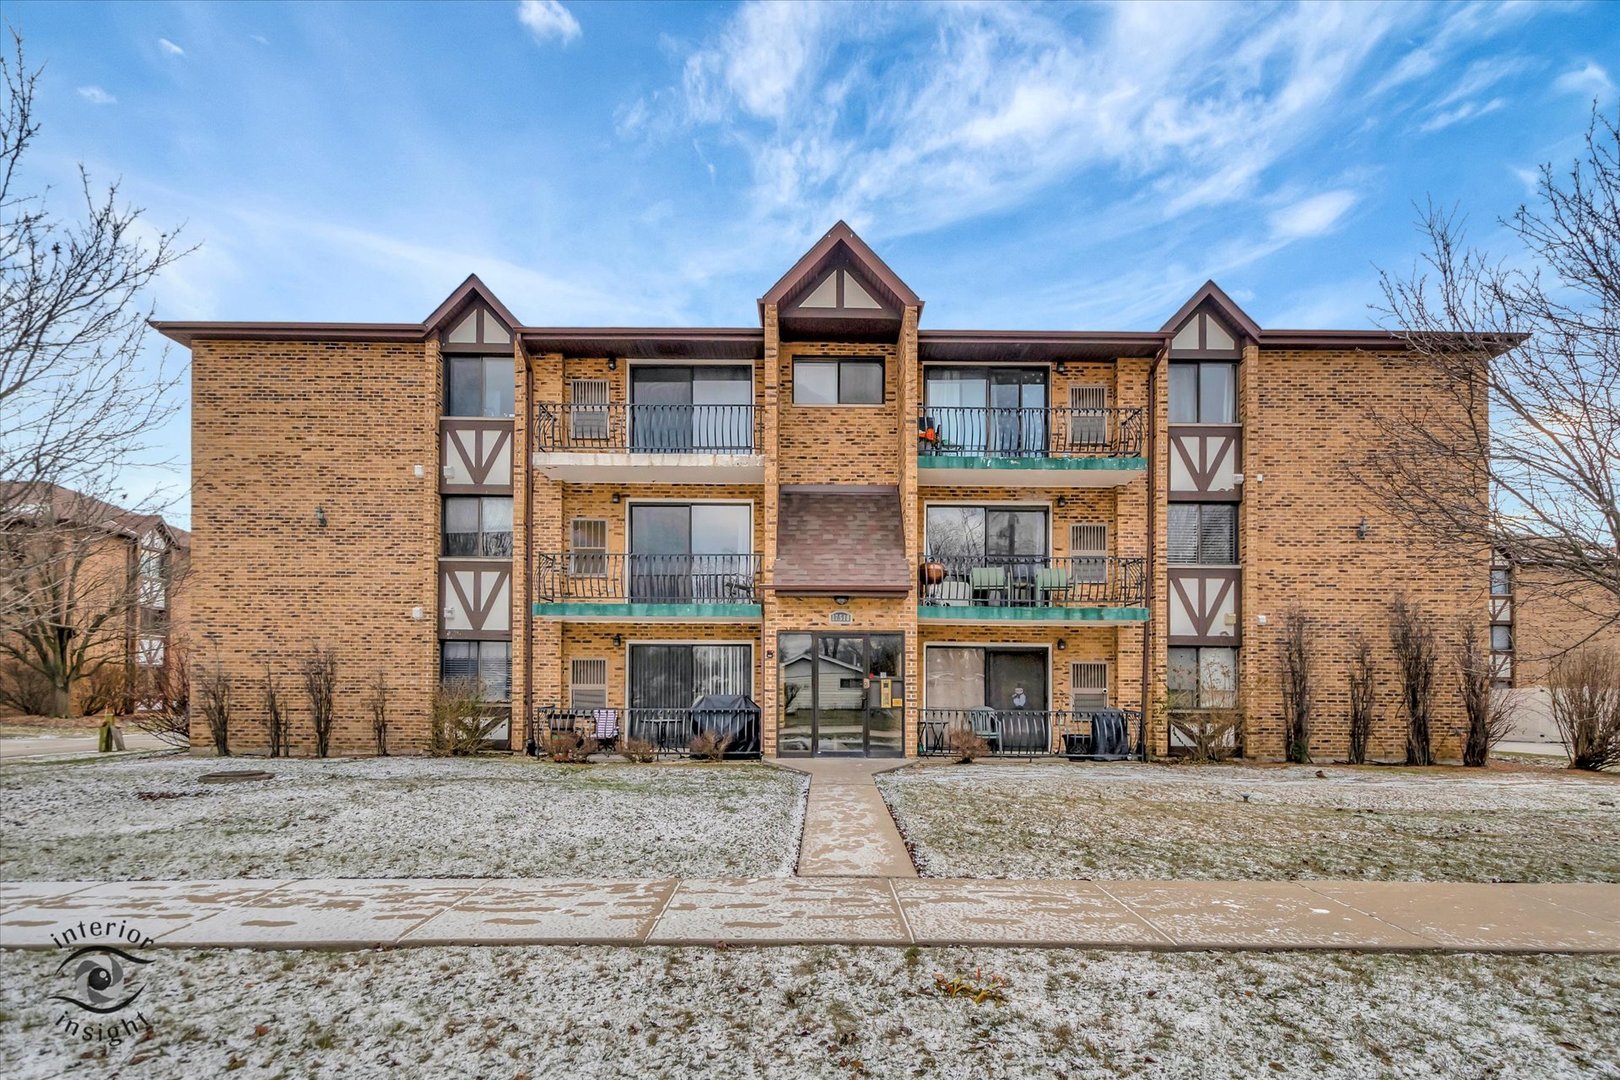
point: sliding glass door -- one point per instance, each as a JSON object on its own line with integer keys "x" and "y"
{"x": 996, "y": 412}
{"x": 988, "y": 690}
{"x": 691, "y": 409}
{"x": 842, "y": 694}
{"x": 691, "y": 553}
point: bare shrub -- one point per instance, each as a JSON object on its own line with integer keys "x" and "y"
{"x": 1363, "y": 688}
{"x": 104, "y": 688}
{"x": 1585, "y": 687}
{"x": 639, "y": 751}
{"x": 461, "y": 719}
{"x": 706, "y": 746}
{"x": 569, "y": 748}
{"x": 319, "y": 669}
{"x": 1214, "y": 734}
{"x": 25, "y": 690}
{"x": 379, "y": 712}
{"x": 965, "y": 746}
{"x": 165, "y": 707}
{"x": 215, "y": 697}
{"x": 275, "y": 715}
{"x": 173, "y": 729}
{"x": 1298, "y": 691}
{"x": 1489, "y": 715}
{"x": 1411, "y": 633}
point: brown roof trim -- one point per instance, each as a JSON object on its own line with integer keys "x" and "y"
{"x": 472, "y": 287}
{"x": 185, "y": 333}
{"x": 1036, "y": 345}
{"x": 1228, "y": 307}
{"x": 868, "y": 259}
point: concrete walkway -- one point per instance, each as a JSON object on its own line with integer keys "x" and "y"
{"x": 1163, "y": 915}
{"x": 848, "y": 830}
{"x": 50, "y": 745}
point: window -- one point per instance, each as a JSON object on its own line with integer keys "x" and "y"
{"x": 587, "y": 555}
{"x": 986, "y": 534}
{"x": 1203, "y": 534}
{"x": 838, "y": 382}
{"x": 691, "y": 552}
{"x": 987, "y": 411}
{"x": 1501, "y": 582}
{"x": 851, "y": 684}
{"x": 674, "y": 409}
{"x": 1203, "y": 393}
{"x": 479, "y": 386}
{"x": 1088, "y": 546}
{"x": 151, "y": 575}
{"x": 676, "y": 676}
{"x": 1202, "y": 678}
{"x": 490, "y": 662}
{"x": 478, "y": 526}
{"x": 587, "y": 684}
{"x": 1501, "y": 638}
{"x": 1088, "y": 686}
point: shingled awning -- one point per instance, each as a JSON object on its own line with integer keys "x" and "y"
{"x": 830, "y": 543}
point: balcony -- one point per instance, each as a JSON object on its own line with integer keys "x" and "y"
{"x": 668, "y": 732}
{"x": 609, "y": 587}
{"x": 1029, "y": 446}
{"x": 1083, "y": 734}
{"x": 1033, "y": 589}
{"x": 670, "y": 444}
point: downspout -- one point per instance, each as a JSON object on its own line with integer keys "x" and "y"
{"x": 1152, "y": 527}
{"x": 528, "y": 550}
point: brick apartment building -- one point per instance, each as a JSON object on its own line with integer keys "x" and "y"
{"x": 878, "y": 532}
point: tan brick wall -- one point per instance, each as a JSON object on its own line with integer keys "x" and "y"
{"x": 839, "y": 444}
{"x": 279, "y": 429}
{"x": 1304, "y": 426}
{"x": 1550, "y": 618}
{"x": 596, "y": 501}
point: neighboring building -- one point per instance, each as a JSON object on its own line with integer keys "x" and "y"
{"x": 875, "y": 530}
{"x": 1539, "y": 615}
{"x": 112, "y": 577}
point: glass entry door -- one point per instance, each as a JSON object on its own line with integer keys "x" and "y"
{"x": 842, "y": 694}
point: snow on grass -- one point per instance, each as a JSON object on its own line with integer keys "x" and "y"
{"x": 396, "y": 817}
{"x": 1059, "y": 820}
{"x": 834, "y": 1012}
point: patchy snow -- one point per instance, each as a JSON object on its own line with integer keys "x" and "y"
{"x": 834, "y": 1012}
{"x": 396, "y": 817}
{"x": 1061, "y": 820}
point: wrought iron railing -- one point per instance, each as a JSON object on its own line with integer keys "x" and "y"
{"x": 648, "y": 429}
{"x": 1020, "y": 432}
{"x": 600, "y": 576}
{"x": 1092, "y": 734}
{"x": 1033, "y": 581}
{"x": 669, "y": 732}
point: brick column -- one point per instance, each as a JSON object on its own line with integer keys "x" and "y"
{"x": 909, "y": 398}
{"x": 770, "y": 507}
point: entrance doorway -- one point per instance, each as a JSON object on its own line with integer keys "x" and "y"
{"x": 841, "y": 694}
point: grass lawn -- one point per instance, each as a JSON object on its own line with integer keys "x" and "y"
{"x": 149, "y": 817}
{"x": 834, "y": 1012}
{"x": 1061, "y": 820}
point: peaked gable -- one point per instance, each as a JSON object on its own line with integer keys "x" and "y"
{"x": 841, "y": 274}
{"x": 472, "y": 317}
{"x": 1211, "y": 323}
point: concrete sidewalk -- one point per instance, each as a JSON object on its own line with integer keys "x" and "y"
{"x": 1160, "y": 915}
{"x": 27, "y": 746}
{"x": 848, "y": 830}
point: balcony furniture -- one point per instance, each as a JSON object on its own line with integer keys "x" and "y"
{"x": 1052, "y": 585}
{"x": 733, "y": 717}
{"x": 989, "y": 582}
{"x": 951, "y": 594}
{"x": 1109, "y": 737}
{"x": 987, "y": 726}
{"x": 606, "y": 727}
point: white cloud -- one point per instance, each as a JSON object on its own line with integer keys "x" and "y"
{"x": 170, "y": 47}
{"x": 548, "y": 20}
{"x": 1589, "y": 80}
{"x": 1468, "y": 110}
{"x": 1313, "y": 216}
{"x": 95, "y": 95}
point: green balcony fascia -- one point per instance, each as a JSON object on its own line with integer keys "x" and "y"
{"x": 1033, "y": 614}
{"x": 1035, "y": 464}
{"x": 609, "y": 610}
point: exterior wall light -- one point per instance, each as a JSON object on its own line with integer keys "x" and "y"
{"x": 1063, "y": 643}
{"x": 840, "y": 600}
{"x": 618, "y": 640}
{"x": 1361, "y": 530}
{"x": 320, "y": 517}
{"x": 613, "y": 362}
{"x": 616, "y": 498}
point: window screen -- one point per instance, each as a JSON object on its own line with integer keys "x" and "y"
{"x": 838, "y": 382}
{"x": 860, "y": 382}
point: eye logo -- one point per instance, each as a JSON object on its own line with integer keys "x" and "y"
{"x": 103, "y": 978}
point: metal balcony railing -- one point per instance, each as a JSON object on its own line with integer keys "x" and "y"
{"x": 669, "y": 731}
{"x": 1033, "y": 581}
{"x": 605, "y": 577}
{"x": 1105, "y": 734}
{"x": 647, "y": 429}
{"x": 1018, "y": 432}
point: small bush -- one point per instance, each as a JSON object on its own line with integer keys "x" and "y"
{"x": 1363, "y": 683}
{"x": 104, "y": 689}
{"x": 1211, "y": 734}
{"x": 24, "y": 689}
{"x": 215, "y": 697}
{"x": 1412, "y": 635}
{"x": 1489, "y": 714}
{"x": 1585, "y": 689}
{"x": 379, "y": 713}
{"x": 460, "y": 721}
{"x": 639, "y": 751}
{"x": 965, "y": 746}
{"x": 1298, "y": 684}
{"x": 706, "y": 746}
{"x": 319, "y": 669}
{"x": 275, "y": 715}
{"x": 567, "y": 748}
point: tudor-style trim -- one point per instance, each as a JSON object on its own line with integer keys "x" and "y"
{"x": 490, "y": 579}
{"x": 1213, "y": 295}
{"x": 470, "y": 289}
{"x": 478, "y": 465}
{"x": 1202, "y": 450}
{"x": 1191, "y": 586}
{"x": 866, "y": 261}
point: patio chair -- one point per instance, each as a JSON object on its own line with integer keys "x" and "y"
{"x": 606, "y": 727}
{"x": 1052, "y": 585}
{"x": 987, "y": 726}
{"x": 990, "y": 582}
{"x": 951, "y": 594}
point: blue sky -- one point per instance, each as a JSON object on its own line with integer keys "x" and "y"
{"x": 663, "y": 164}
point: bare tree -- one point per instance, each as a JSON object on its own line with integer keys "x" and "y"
{"x": 1412, "y": 636}
{"x": 1298, "y": 691}
{"x": 1585, "y": 687}
{"x": 1518, "y": 451}
{"x": 1363, "y": 686}
{"x": 379, "y": 712}
{"x": 1490, "y": 715}
{"x": 319, "y": 668}
{"x": 275, "y": 715}
{"x": 215, "y": 691}
{"x": 79, "y": 397}
{"x": 167, "y": 713}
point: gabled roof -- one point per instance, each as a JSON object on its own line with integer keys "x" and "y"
{"x": 470, "y": 288}
{"x": 1212, "y": 294}
{"x": 57, "y": 504}
{"x": 840, "y": 241}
